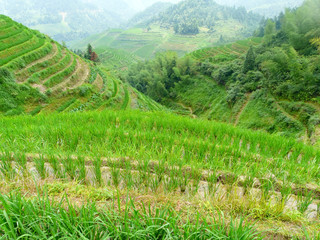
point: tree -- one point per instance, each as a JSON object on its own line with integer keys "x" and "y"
{"x": 89, "y": 52}
{"x": 316, "y": 42}
{"x": 94, "y": 57}
{"x": 269, "y": 30}
{"x": 249, "y": 63}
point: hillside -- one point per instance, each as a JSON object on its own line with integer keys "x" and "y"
{"x": 215, "y": 25}
{"x": 187, "y": 17}
{"x": 40, "y": 75}
{"x": 270, "y": 83}
{"x": 269, "y": 8}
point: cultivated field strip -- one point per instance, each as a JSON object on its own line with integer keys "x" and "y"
{"x": 40, "y": 63}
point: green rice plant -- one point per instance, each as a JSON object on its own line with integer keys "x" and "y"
{"x": 22, "y": 160}
{"x": 155, "y": 182}
{"x": 97, "y": 170}
{"x": 55, "y": 164}
{"x": 267, "y": 189}
{"x": 6, "y": 167}
{"x": 40, "y": 166}
{"x": 80, "y": 164}
{"x": 115, "y": 175}
{"x": 128, "y": 179}
{"x": 60, "y": 76}
{"x": 183, "y": 180}
{"x": 21, "y": 50}
{"x": 69, "y": 167}
{"x": 212, "y": 182}
{"x": 304, "y": 201}
{"x": 66, "y": 105}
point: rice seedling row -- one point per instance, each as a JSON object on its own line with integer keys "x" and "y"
{"x": 60, "y": 76}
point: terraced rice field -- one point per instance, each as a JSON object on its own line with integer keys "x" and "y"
{"x": 57, "y": 73}
{"x": 231, "y": 180}
{"x": 225, "y": 52}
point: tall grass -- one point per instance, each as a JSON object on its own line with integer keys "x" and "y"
{"x": 43, "y": 219}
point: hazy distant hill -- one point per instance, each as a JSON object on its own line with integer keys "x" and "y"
{"x": 143, "y": 17}
{"x": 66, "y": 20}
{"x": 267, "y": 8}
{"x": 188, "y": 16}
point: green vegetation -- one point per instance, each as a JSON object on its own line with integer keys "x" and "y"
{"x": 245, "y": 82}
{"x": 77, "y": 162}
{"x": 40, "y": 75}
{"x": 184, "y": 27}
{"x": 194, "y": 161}
{"x": 188, "y": 16}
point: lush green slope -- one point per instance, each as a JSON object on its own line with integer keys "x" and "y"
{"x": 38, "y": 74}
{"x": 215, "y": 25}
{"x": 270, "y": 83}
{"x": 128, "y": 159}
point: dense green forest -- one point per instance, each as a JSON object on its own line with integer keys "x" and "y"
{"x": 188, "y": 16}
{"x": 285, "y": 66}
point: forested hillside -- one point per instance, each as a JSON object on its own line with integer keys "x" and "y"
{"x": 268, "y": 8}
{"x": 188, "y": 16}
{"x": 185, "y": 27}
{"x": 271, "y": 82}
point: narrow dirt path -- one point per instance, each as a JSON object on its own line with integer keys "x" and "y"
{"x": 53, "y": 53}
{"x": 236, "y": 122}
{"x": 306, "y": 133}
{"x": 189, "y": 109}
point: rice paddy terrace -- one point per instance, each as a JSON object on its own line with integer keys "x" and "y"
{"x": 225, "y": 52}
{"x": 64, "y": 81}
{"x": 155, "y": 173}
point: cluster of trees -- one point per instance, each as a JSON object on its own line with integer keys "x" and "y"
{"x": 187, "y": 16}
{"x": 88, "y": 54}
{"x": 158, "y": 78}
{"x": 286, "y": 64}
{"x": 186, "y": 29}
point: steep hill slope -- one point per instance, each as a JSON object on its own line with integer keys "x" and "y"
{"x": 38, "y": 74}
{"x": 270, "y": 83}
{"x": 182, "y": 28}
